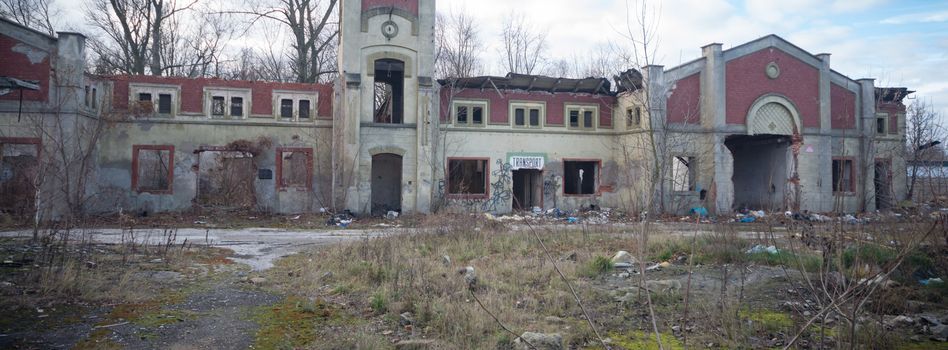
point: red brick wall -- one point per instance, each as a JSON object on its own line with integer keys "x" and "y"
{"x": 747, "y": 81}
{"x": 408, "y": 5}
{"x": 842, "y": 108}
{"x": 684, "y": 103}
{"x": 192, "y": 92}
{"x": 17, "y": 65}
{"x": 555, "y": 104}
{"x": 895, "y": 111}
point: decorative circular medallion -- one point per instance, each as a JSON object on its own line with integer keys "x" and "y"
{"x": 389, "y": 29}
{"x": 772, "y": 70}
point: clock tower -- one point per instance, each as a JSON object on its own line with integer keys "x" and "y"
{"x": 385, "y": 106}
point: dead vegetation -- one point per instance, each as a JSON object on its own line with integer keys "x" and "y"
{"x": 841, "y": 294}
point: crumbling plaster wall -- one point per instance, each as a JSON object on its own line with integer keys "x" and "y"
{"x": 115, "y": 162}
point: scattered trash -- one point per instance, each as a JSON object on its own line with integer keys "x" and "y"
{"x": 623, "y": 257}
{"x": 572, "y": 220}
{"x": 391, "y": 215}
{"x": 762, "y": 249}
{"x": 928, "y": 281}
{"x": 701, "y": 211}
{"x": 537, "y": 211}
{"x": 758, "y": 213}
{"x": 747, "y": 219}
{"x": 295, "y": 217}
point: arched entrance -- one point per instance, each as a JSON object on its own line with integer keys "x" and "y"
{"x": 386, "y": 183}
{"x": 764, "y": 162}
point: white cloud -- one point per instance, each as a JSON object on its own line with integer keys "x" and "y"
{"x": 917, "y": 18}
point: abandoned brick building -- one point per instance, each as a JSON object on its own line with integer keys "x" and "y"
{"x": 761, "y": 125}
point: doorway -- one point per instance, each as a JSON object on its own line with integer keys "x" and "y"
{"x": 386, "y": 183}
{"x": 527, "y": 189}
{"x": 883, "y": 182}
{"x": 761, "y": 171}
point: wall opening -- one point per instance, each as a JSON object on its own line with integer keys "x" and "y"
{"x": 883, "y": 182}
{"x": 580, "y": 176}
{"x": 527, "y": 189}
{"x": 19, "y": 163}
{"x": 153, "y": 169}
{"x": 389, "y": 91}
{"x": 761, "y": 171}
{"x": 295, "y": 169}
{"x": 843, "y": 175}
{"x": 226, "y": 179}
{"x": 684, "y": 173}
{"x": 468, "y": 177}
{"x": 386, "y": 183}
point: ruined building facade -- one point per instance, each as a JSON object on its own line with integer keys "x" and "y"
{"x": 764, "y": 125}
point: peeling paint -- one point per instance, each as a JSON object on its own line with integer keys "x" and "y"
{"x": 34, "y": 55}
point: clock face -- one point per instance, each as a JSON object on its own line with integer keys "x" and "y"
{"x": 389, "y": 29}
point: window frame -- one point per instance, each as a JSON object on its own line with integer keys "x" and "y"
{"x": 582, "y": 108}
{"x": 852, "y": 178}
{"x": 470, "y": 119}
{"x": 210, "y": 92}
{"x": 598, "y": 179}
{"x": 156, "y": 90}
{"x": 280, "y": 186}
{"x": 527, "y": 106}
{"x": 636, "y": 113}
{"x": 447, "y": 179}
{"x": 296, "y": 96}
{"x": 136, "y": 149}
{"x": 693, "y": 163}
{"x": 885, "y": 124}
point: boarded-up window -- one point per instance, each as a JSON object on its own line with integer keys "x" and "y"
{"x": 843, "y": 180}
{"x": 236, "y": 106}
{"x": 286, "y": 108}
{"x": 304, "y": 109}
{"x": 164, "y": 103}
{"x": 467, "y": 176}
{"x": 580, "y": 177}
{"x": 295, "y": 167}
{"x": 683, "y": 173}
{"x": 153, "y": 168}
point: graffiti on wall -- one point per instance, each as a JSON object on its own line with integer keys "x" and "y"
{"x": 501, "y": 192}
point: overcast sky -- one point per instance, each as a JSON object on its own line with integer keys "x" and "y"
{"x": 898, "y": 42}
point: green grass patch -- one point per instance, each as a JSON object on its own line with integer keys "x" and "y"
{"x": 868, "y": 253}
{"x": 769, "y": 320}
{"x": 639, "y": 340}
{"x": 293, "y": 323}
{"x": 597, "y": 266}
{"x": 379, "y": 303}
{"x": 810, "y": 263}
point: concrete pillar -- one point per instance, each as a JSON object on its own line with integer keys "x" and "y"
{"x": 865, "y": 118}
{"x": 713, "y": 117}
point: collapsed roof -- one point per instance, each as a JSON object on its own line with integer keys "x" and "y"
{"x": 892, "y": 94}
{"x": 515, "y": 81}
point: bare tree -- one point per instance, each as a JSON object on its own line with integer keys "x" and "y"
{"x": 36, "y": 14}
{"x": 923, "y": 132}
{"x": 314, "y": 30}
{"x": 132, "y": 34}
{"x": 457, "y": 44}
{"x": 602, "y": 62}
{"x": 524, "y": 48}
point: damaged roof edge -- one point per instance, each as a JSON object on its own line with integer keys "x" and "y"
{"x": 527, "y": 82}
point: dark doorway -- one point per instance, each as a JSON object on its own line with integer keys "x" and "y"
{"x": 18, "y": 174}
{"x": 883, "y": 182}
{"x": 760, "y": 171}
{"x": 386, "y": 183}
{"x": 389, "y": 91}
{"x": 527, "y": 189}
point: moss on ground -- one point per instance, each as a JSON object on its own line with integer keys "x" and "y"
{"x": 639, "y": 340}
{"x": 293, "y": 323}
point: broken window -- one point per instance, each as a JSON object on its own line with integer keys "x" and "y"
{"x": 286, "y": 108}
{"x": 87, "y": 96}
{"x": 389, "y": 91}
{"x": 527, "y": 114}
{"x": 633, "y": 117}
{"x": 94, "y": 98}
{"x": 582, "y": 116}
{"x": 18, "y": 171}
{"x": 304, "y": 109}
{"x": 164, "y": 103}
{"x": 843, "y": 180}
{"x": 295, "y": 168}
{"x": 469, "y": 113}
{"x": 153, "y": 168}
{"x": 580, "y": 176}
{"x": 467, "y": 176}
{"x": 880, "y": 124}
{"x": 236, "y": 106}
{"x": 683, "y": 173}
{"x": 217, "y": 106}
